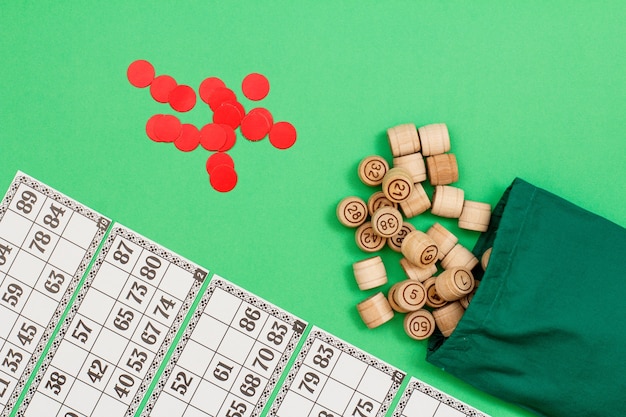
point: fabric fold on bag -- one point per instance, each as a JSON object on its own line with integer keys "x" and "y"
{"x": 546, "y": 329}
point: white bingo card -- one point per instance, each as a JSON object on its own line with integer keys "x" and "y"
{"x": 117, "y": 332}
{"x": 229, "y": 359}
{"x": 421, "y": 400}
{"x": 47, "y": 240}
{"x": 332, "y": 378}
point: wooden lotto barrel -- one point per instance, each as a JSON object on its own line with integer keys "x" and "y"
{"x": 434, "y": 139}
{"x": 455, "y": 283}
{"x": 375, "y": 310}
{"x": 352, "y": 211}
{"x": 444, "y": 239}
{"x": 442, "y": 169}
{"x": 447, "y": 201}
{"x": 370, "y": 273}
{"x": 448, "y": 316}
{"x": 420, "y": 249}
{"x": 475, "y": 216}
{"x": 397, "y": 185}
{"x": 372, "y": 170}
{"x": 403, "y": 139}
{"x": 419, "y": 324}
{"x": 417, "y": 273}
{"x": 414, "y": 164}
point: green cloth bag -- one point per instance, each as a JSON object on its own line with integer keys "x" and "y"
{"x": 546, "y": 329}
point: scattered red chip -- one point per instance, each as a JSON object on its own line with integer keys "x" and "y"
{"x": 231, "y": 138}
{"x": 140, "y": 73}
{"x": 161, "y": 87}
{"x": 167, "y": 128}
{"x": 223, "y": 178}
{"x": 189, "y": 138}
{"x": 265, "y": 112}
{"x": 212, "y": 137}
{"x": 182, "y": 98}
{"x": 255, "y": 86}
{"x": 150, "y": 127}
{"x": 255, "y": 126}
{"x": 219, "y": 95}
{"x": 228, "y": 114}
{"x": 207, "y": 86}
{"x": 217, "y": 159}
{"x": 283, "y": 135}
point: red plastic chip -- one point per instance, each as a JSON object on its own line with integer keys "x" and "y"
{"x": 189, "y": 138}
{"x": 255, "y": 126}
{"x": 212, "y": 137}
{"x": 182, "y": 98}
{"x": 150, "y": 127}
{"x": 167, "y": 128}
{"x": 228, "y": 113}
{"x": 219, "y": 95}
{"x": 265, "y": 112}
{"x": 255, "y": 86}
{"x": 140, "y": 73}
{"x": 223, "y": 178}
{"x": 217, "y": 159}
{"x": 207, "y": 86}
{"x": 231, "y": 138}
{"x": 283, "y": 135}
{"x": 161, "y": 87}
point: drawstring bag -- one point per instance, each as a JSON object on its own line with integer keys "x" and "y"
{"x": 546, "y": 328}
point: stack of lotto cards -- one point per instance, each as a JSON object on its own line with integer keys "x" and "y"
{"x": 99, "y": 321}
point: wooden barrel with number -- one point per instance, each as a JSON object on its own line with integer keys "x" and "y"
{"x": 420, "y": 249}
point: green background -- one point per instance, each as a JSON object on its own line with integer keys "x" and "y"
{"x": 532, "y": 89}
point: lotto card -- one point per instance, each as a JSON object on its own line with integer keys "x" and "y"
{"x": 422, "y": 400}
{"x": 47, "y": 240}
{"x": 229, "y": 359}
{"x": 117, "y": 332}
{"x": 332, "y": 378}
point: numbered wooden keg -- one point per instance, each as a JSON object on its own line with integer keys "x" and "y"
{"x": 395, "y": 242}
{"x": 420, "y": 249}
{"x": 442, "y": 169}
{"x": 387, "y": 222}
{"x": 370, "y": 273}
{"x": 455, "y": 283}
{"x": 397, "y": 185}
{"x": 352, "y": 211}
{"x": 372, "y": 170}
{"x": 410, "y": 295}
{"x": 434, "y": 139}
{"x": 433, "y": 300}
{"x": 444, "y": 239}
{"x": 448, "y": 317}
{"x": 391, "y": 299}
{"x": 466, "y": 300}
{"x": 419, "y": 324}
{"x": 414, "y": 164}
{"x": 447, "y": 201}
{"x": 367, "y": 239}
{"x": 403, "y": 139}
{"x": 459, "y": 255}
{"x": 484, "y": 260}
{"x": 375, "y": 310}
{"x": 417, "y": 203}
{"x": 417, "y": 273}
{"x": 378, "y": 200}
{"x": 475, "y": 216}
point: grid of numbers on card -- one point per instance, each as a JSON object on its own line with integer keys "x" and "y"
{"x": 124, "y": 321}
{"x": 46, "y": 242}
{"x": 332, "y": 378}
{"x": 421, "y": 400}
{"x": 230, "y": 358}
